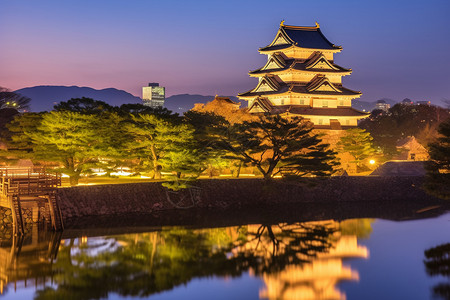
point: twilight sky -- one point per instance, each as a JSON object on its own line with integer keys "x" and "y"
{"x": 396, "y": 48}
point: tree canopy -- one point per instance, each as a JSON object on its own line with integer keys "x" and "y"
{"x": 438, "y": 169}
{"x": 274, "y": 144}
{"x": 358, "y": 143}
{"x": 83, "y": 133}
{"x": 402, "y": 121}
{"x": 84, "y": 106}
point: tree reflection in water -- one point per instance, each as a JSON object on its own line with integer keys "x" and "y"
{"x": 304, "y": 260}
{"x": 437, "y": 263}
{"x": 294, "y": 260}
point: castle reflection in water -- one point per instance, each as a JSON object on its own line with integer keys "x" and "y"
{"x": 295, "y": 261}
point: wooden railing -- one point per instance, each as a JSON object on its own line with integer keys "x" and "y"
{"x": 27, "y": 181}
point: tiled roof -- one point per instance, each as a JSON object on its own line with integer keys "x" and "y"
{"x": 301, "y": 66}
{"x": 301, "y": 89}
{"x": 304, "y": 37}
{"x": 318, "y": 111}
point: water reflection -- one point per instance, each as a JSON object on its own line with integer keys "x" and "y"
{"x": 437, "y": 263}
{"x": 304, "y": 260}
{"x": 28, "y": 260}
{"x": 295, "y": 261}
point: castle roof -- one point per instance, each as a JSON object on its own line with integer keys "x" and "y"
{"x": 300, "y": 36}
{"x": 318, "y": 86}
{"x": 265, "y": 105}
{"x": 311, "y": 65}
{"x": 225, "y": 100}
{"x": 314, "y": 111}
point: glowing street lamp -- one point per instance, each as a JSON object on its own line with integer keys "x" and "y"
{"x": 372, "y": 161}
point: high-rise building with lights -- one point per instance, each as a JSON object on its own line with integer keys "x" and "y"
{"x": 153, "y": 95}
{"x": 300, "y": 78}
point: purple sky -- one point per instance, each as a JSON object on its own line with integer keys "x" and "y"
{"x": 397, "y": 49}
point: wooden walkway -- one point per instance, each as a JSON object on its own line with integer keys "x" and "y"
{"x": 33, "y": 188}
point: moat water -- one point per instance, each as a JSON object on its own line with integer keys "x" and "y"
{"x": 327, "y": 259}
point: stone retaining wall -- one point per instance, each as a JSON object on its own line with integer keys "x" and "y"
{"x": 145, "y": 198}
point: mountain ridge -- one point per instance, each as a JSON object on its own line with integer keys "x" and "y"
{"x": 44, "y": 97}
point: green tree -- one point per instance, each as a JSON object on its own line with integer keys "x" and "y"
{"x": 152, "y": 136}
{"x": 438, "y": 169}
{"x": 74, "y": 140}
{"x": 275, "y": 145}
{"x": 358, "y": 143}
{"x": 207, "y": 132}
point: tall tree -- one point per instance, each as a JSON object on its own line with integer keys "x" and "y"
{"x": 76, "y": 141}
{"x": 438, "y": 169}
{"x": 207, "y": 131}
{"x": 278, "y": 145}
{"x": 358, "y": 143}
{"x": 152, "y": 136}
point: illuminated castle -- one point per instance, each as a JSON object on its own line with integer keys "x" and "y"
{"x": 301, "y": 79}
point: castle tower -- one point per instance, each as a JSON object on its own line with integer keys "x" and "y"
{"x": 301, "y": 79}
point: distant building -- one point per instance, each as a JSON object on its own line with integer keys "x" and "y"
{"x": 218, "y": 102}
{"x": 300, "y": 78}
{"x": 407, "y": 101}
{"x": 423, "y": 103}
{"x": 153, "y": 95}
{"x": 382, "y": 105}
{"x": 410, "y": 149}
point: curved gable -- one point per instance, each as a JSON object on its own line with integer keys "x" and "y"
{"x": 322, "y": 84}
{"x": 267, "y": 84}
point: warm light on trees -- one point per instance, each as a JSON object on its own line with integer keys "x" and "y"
{"x": 151, "y": 137}
{"x": 358, "y": 143}
{"x": 275, "y": 145}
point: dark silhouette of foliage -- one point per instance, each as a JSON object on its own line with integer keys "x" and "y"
{"x": 6, "y": 116}
{"x": 402, "y": 121}
{"x": 83, "y": 105}
{"x": 438, "y": 169}
{"x": 10, "y": 99}
{"x": 437, "y": 262}
{"x": 137, "y": 108}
